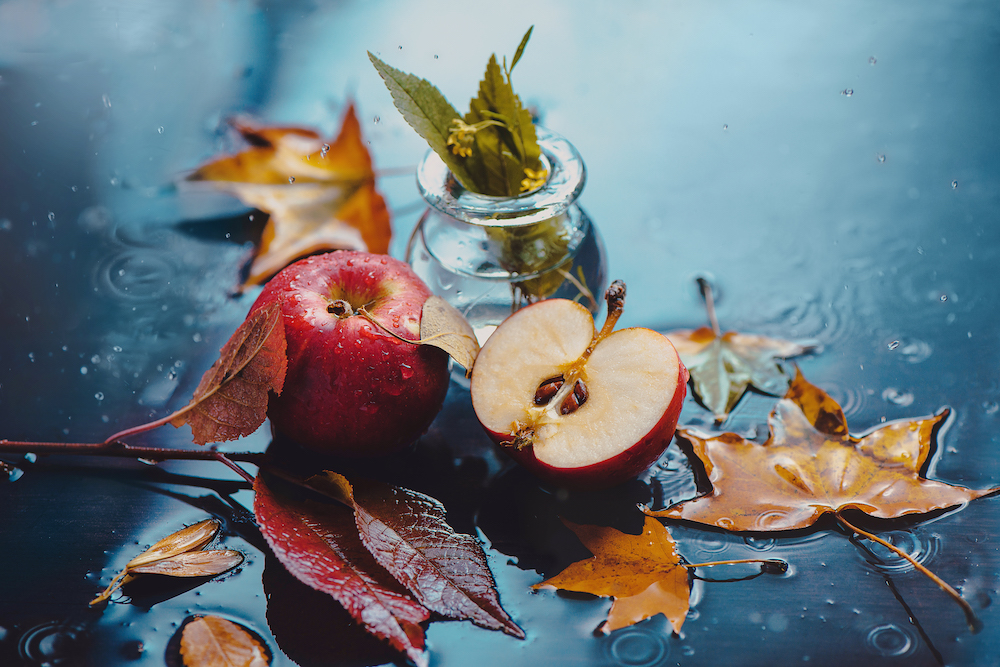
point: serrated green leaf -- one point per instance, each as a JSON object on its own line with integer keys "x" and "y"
{"x": 507, "y": 150}
{"x": 428, "y": 112}
{"x": 520, "y": 49}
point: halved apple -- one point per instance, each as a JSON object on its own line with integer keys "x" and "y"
{"x": 578, "y": 407}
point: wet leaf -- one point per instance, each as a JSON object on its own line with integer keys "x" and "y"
{"x": 210, "y": 641}
{"x": 641, "y": 572}
{"x": 193, "y": 564}
{"x": 191, "y": 538}
{"x": 231, "y": 399}
{"x": 441, "y": 325}
{"x": 186, "y": 540}
{"x": 319, "y": 545}
{"x": 320, "y": 196}
{"x": 810, "y": 465}
{"x": 723, "y": 365}
{"x": 407, "y": 533}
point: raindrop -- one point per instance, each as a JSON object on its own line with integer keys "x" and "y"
{"x": 117, "y": 348}
{"x": 159, "y": 130}
{"x": 74, "y": 188}
{"x": 114, "y": 181}
{"x": 894, "y": 344}
{"x": 106, "y": 100}
{"x": 52, "y": 216}
{"x": 96, "y": 359}
{"x": 881, "y": 157}
{"x": 99, "y": 395}
{"x": 896, "y": 397}
{"x": 83, "y": 370}
{"x": 376, "y": 120}
{"x": 954, "y": 185}
{"x": 291, "y": 179}
{"x": 872, "y": 60}
{"x": 847, "y": 92}
{"x": 991, "y": 408}
{"x": 726, "y": 126}
{"x": 435, "y": 56}
{"x": 31, "y": 357}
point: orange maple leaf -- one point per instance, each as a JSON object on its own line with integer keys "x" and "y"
{"x": 810, "y": 465}
{"x": 320, "y": 196}
{"x": 642, "y": 573}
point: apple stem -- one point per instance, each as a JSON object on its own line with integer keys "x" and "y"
{"x": 705, "y": 288}
{"x": 615, "y": 296}
{"x": 970, "y": 614}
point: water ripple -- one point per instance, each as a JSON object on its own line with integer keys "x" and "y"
{"x": 891, "y": 641}
{"x": 922, "y": 548}
{"x": 638, "y": 647}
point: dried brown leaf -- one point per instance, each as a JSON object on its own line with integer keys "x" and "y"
{"x": 231, "y": 399}
{"x": 210, "y": 641}
{"x": 811, "y": 465}
{"x": 320, "y": 197}
{"x": 641, "y": 572}
{"x": 441, "y": 325}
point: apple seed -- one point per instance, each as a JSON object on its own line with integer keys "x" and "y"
{"x": 548, "y": 389}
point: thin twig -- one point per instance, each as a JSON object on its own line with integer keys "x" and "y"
{"x": 123, "y": 450}
{"x": 970, "y": 615}
{"x": 224, "y": 459}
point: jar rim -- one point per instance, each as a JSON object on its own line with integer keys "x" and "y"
{"x": 566, "y": 178}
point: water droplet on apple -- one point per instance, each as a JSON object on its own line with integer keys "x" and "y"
{"x": 406, "y": 371}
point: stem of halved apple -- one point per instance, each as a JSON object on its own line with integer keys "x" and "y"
{"x": 970, "y": 615}
{"x": 572, "y": 392}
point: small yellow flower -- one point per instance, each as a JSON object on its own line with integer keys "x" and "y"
{"x": 534, "y": 179}
{"x": 461, "y": 137}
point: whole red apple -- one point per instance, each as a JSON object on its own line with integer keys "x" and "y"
{"x": 577, "y": 407}
{"x": 352, "y": 389}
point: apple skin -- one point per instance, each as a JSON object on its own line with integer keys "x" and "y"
{"x": 610, "y": 472}
{"x": 352, "y": 389}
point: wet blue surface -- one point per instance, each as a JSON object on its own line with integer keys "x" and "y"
{"x": 834, "y": 169}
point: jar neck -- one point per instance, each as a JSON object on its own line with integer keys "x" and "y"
{"x": 566, "y": 178}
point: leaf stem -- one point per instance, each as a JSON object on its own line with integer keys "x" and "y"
{"x": 142, "y": 428}
{"x": 706, "y": 293}
{"x": 970, "y": 614}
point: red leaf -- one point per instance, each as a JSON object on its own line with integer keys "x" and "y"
{"x": 408, "y": 535}
{"x": 231, "y": 399}
{"x": 319, "y": 545}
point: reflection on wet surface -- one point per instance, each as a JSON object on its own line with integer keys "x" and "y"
{"x": 832, "y": 168}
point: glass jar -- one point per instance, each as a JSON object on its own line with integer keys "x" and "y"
{"x": 489, "y": 256}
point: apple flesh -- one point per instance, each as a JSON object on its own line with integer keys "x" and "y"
{"x": 352, "y": 389}
{"x": 615, "y": 420}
